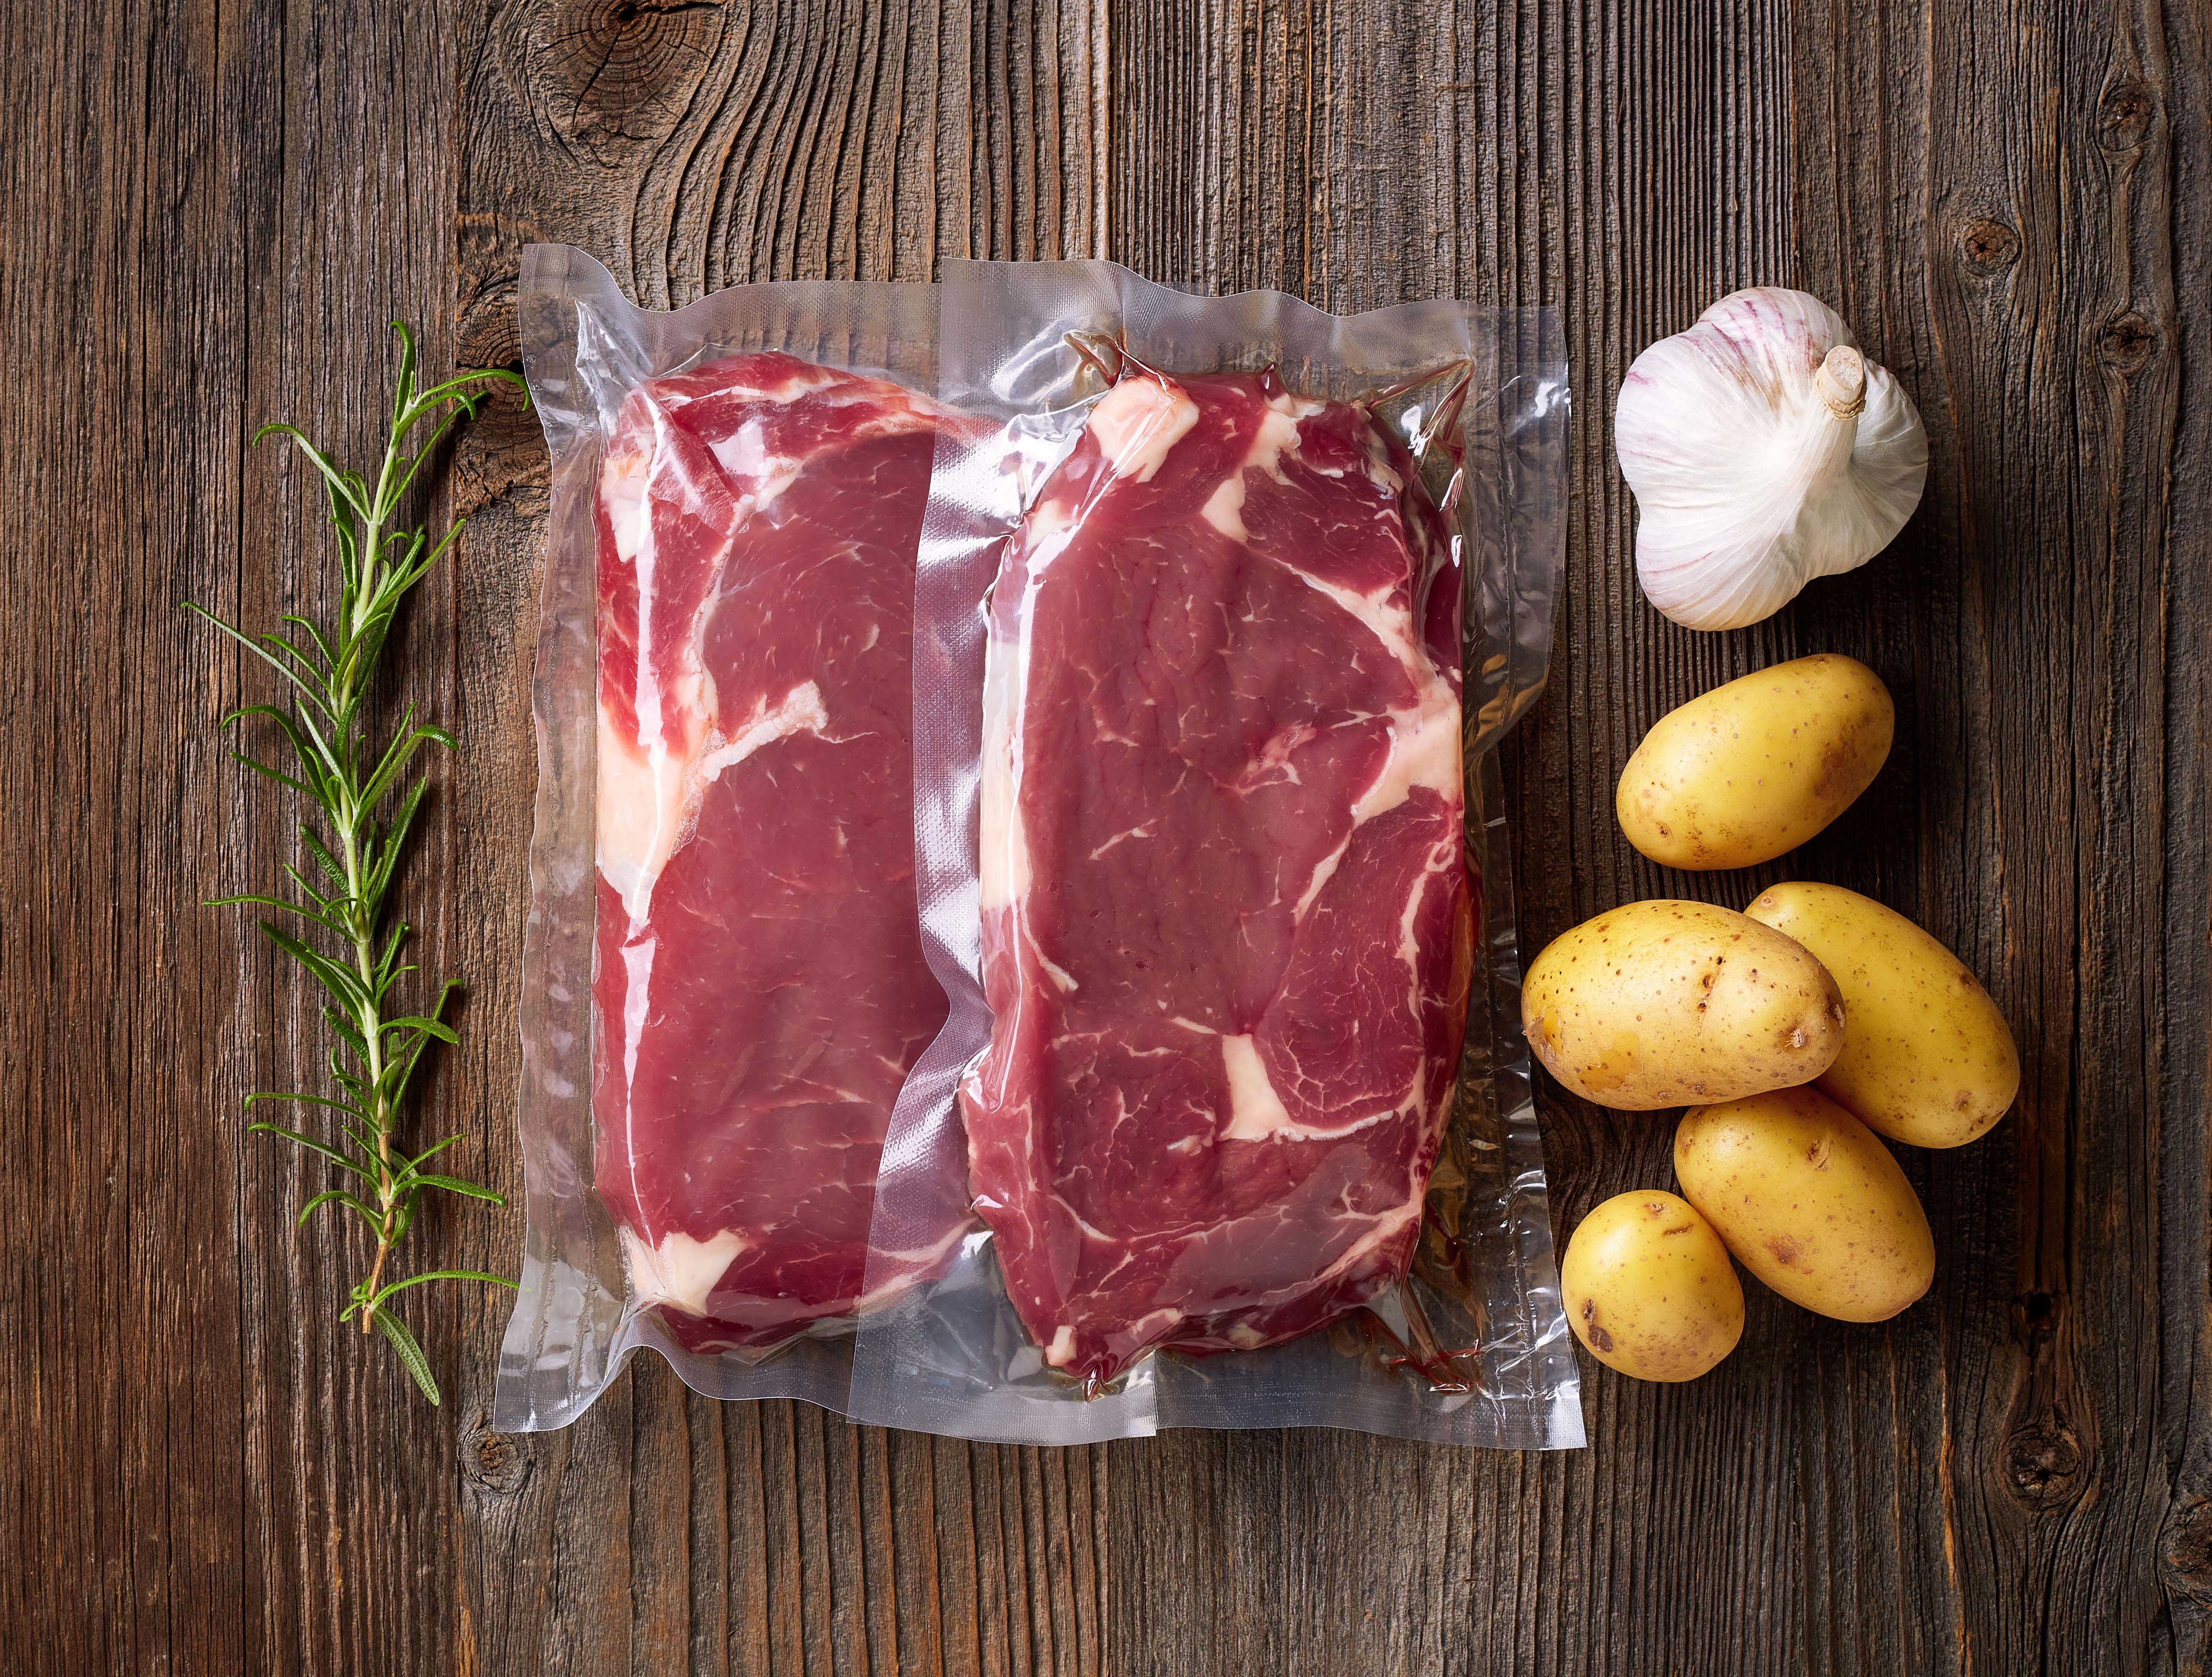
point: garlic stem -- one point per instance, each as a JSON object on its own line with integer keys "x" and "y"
{"x": 1828, "y": 434}
{"x": 1841, "y": 381}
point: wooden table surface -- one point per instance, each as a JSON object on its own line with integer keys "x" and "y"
{"x": 207, "y": 212}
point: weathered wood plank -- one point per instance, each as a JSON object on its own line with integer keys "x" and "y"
{"x": 1531, "y": 169}
{"x": 207, "y": 218}
{"x": 207, "y": 222}
{"x": 693, "y": 148}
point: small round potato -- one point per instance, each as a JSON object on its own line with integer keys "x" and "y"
{"x": 1927, "y": 1058}
{"x": 1649, "y": 1288}
{"x": 1754, "y": 768}
{"x": 1661, "y": 1004}
{"x": 1810, "y": 1202}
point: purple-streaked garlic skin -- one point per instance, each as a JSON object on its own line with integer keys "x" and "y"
{"x": 1763, "y": 451}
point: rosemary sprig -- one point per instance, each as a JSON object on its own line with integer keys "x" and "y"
{"x": 342, "y": 906}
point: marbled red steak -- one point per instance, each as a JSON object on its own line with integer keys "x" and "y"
{"x": 1226, "y": 906}
{"x": 760, "y": 989}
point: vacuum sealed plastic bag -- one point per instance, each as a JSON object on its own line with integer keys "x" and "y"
{"x": 724, "y": 985}
{"x": 1221, "y": 607}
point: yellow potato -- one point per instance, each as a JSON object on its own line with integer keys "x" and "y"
{"x": 1649, "y": 1288}
{"x": 1927, "y": 1059}
{"x": 1661, "y": 1004}
{"x": 1750, "y": 770}
{"x": 1810, "y": 1202}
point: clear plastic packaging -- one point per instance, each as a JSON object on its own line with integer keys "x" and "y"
{"x": 1194, "y": 775}
{"x": 723, "y": 981}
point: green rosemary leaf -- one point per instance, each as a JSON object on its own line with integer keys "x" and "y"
{"x": 315, "y": 764}
{"x": 337, "y": 1197}
{"x": 409, "y": 1353}
{"x": 320, "y": 851}
{"x": 399, "y": 734}
{"x": 263, "y": 769}
{"x": 441, "y": 1275}
{"x": 305, "y": 912}
{"x": 456, "y": 1185}
{"x": 404, "y": 1067}
{"x": 344, "y": 986}
{"x": 314, "y": 1146}
{"x": 349, "y": 561}
{"x": 342, "y": 491}
{"x": 307, "y": 889}
{"x": 363, "y": 1138}
{"x": 457, "y": 387}
{"x": 202, "y": 611}
{"x": 395, "y": 760}
{"x": 308, "y": 627}
{"x": 395, "y": 835}
{"x": 402, "y": 1070}
{"x": 415, "y": 1022}
{"x": 409, "y": 1166}
{"x": 321, "y": 752}
{"x": 276, "y": 642}
{"x": 403, "y": 386}
{"x": 344, "y": 1028}
{"x": 388, "y": 968}
{"x": 423, "y": 565}
{"x": 303, "y": 1099}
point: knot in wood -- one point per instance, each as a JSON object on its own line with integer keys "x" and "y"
{"x": 2127, "y": 342}
{"x": 2189, "y": 1547}
{"x": 493, "y": 1462}
{"x": 1988, "y": 247}
{"x": 487, "y": 333}
{"x": 2036, "y": 1317}
{"x": 612, "y": 73}
{"x": 2125, "y": 114}
{"x": 2043, "y": 1464}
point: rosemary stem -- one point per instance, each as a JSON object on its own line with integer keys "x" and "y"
{"x": 363, "y": 933}
{"x": 381, "y": 1119}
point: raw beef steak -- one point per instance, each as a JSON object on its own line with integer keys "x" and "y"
{"x": 1226, "y": 934}
{"x": 760, "y": 990}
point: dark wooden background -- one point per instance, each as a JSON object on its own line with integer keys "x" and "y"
{"x": 207, "y": 212}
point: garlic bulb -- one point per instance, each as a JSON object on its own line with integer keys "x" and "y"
{"x": 1765, "y": 450}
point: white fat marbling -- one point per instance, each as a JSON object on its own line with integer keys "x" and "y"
{"x": 1138, "y": 421}
{"x": 1256, "y": 1112}
{"x": 1424, "y": 752}
{"x": 679, "y": 1271}
{"x": 649, "y": 799}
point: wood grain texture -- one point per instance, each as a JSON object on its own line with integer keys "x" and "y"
{"x": 208, "y": 215}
